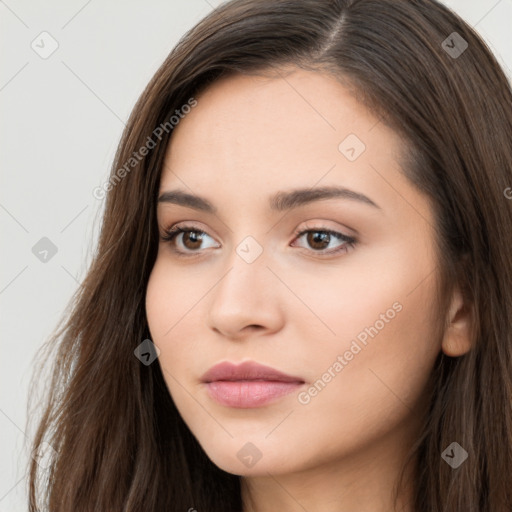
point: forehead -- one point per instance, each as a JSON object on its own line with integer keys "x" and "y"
{"x": 252, "y": 134}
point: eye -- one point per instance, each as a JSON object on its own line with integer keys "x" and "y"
{"x": 321, "y": 238}
{"x": 186, "y": 240}
{"x": 187, "y": 236}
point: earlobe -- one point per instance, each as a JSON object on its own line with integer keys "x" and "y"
{"x": 457, "y": 339}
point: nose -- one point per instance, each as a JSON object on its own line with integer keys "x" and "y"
{"x": 246, "y": 300}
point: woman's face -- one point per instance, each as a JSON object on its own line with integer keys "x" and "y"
{"x": 344, "y": 308}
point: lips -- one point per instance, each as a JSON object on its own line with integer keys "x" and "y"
{"x": 246, "y": 371}
{"x": 248, "y": 384}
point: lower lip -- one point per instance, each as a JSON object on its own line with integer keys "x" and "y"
{"x": 249, "y": 393}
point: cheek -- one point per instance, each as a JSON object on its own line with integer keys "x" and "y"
{"x": 385, "y": 299}
{"x": 164, "y": 303}
{"x": 380, "y": 318}
{"x": 170, "y": 303}
{"x": 383, "y": 371}
{"x": 157, "y": 303}
{"x": 169, "y": 295}
{"x": 389, "y": 346}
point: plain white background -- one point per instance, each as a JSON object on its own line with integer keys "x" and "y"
{"x": 61, "y": 120}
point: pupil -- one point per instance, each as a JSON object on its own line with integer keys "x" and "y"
{"x": 319, "y": 237}
{"x": 194, "y": 237}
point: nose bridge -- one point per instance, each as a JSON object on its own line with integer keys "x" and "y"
{"x": 248, "y": 272}
{"x": 246, "y": 294}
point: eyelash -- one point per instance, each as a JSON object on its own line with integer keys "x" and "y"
{"x": 173, "y": 232}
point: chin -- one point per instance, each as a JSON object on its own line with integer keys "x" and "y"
{"x": 246, "y": 459}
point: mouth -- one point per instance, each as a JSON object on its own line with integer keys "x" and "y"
{"x": 248, "y": 385}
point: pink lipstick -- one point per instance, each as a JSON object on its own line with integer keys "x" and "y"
{"x": 248, "y": 384}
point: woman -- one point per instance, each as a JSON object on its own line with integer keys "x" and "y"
{"x": 301, "y": 295}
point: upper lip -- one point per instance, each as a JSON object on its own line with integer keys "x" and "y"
{"x": 248, "y": 370}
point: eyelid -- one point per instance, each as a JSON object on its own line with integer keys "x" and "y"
{"x": 322, "y": 225}
{"x": 184, "y": 224}
{"x": 171, "y": 232}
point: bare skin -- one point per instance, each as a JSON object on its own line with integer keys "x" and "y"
{"x": 299, "y": 306}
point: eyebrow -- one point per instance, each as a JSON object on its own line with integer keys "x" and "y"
{"x": 281, "y": 201}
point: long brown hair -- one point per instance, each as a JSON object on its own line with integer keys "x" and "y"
{"x": 120, "y": 444}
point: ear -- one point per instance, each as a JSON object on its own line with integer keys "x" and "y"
{"x": 457, "y": 339}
